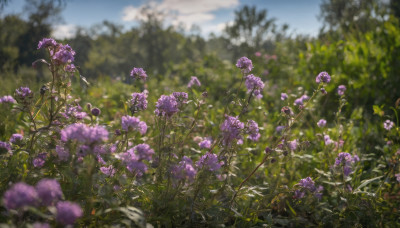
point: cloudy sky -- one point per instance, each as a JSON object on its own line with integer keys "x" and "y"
{"x": 209, "y": 15}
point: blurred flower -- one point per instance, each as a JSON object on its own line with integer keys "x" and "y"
{"x": 323, "y": 91}
{"x": 194, "y": 81}
{"x": 252, "y": 130}
{"x": 133, "y": 123}
{"x": 341, "y": 90}
{"x": 16, "y": 138}
{"x": 63, "y": 153}
{"x": 138, "y": 101}
{"x": 166, "y": 106}
{"x": 210, "y": 162}
{"x": 397, "y": 177}
{"x": 279, "y": 129}
{"x": 323, "y": 77}
{"x": 245, "y": 64}
{"x": 20, "y": 195}
{"x": 4, "y": 146}
{"x": 68, "y": 212}
{"x": 109, "y": 171}
{"x": 328, "y": 140}
{"x": 95, "y": 111}
{"x": 139, "y": 73}
{"x": 84, "y": 134}
{"x": 39, "y": 161}
{"x": 64, "y": 54}
{"x": 41, "y": 225}
{"x": 258, "y": 54}
{"x": 70, "y": 68}
{"x": 184, "y": 170}
{"x": 255, "y": 85}
{"x": 47, "y": 42}
{"x": 231, "y": 129}
{"x": 49, "y": 191}
{"x": 388, "y": 125}
{"x": 7, "y": 99}
{"x": 206, "y": 143}
{"x": 293, "y": 144}
{"x": 133, "y": 161}
{"x": 181, "y": 98}
{"x": 321, "y": 123}
{"x": 346, "y": 160}
{"x": 308, "y": 185}
{"x": 284, "y": 96}
{"x": 23, "y": 93}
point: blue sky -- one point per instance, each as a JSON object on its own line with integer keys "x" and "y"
{"x": 209, "y": 15}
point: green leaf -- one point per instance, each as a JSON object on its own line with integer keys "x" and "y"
{"x": 378, "y": 110}
{"x": 365, "y": 182}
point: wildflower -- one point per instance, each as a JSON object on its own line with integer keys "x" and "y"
{"x": 47, "y": 42}
{"x": 166, "y": 106}
{"x": 84, "y": 134}
{"x": 138, "y": 101}
{"x": 255, "y": 85}
{"x": 287, "y": 110}
{"x": 388, "y": 125}
{"x": 181, "y": 98}
{"x": 345, "y": 160}
{"x": 321, "y": 123}
{"x": 49, "y": 191}
{"x": 323, "y": 91}
{"x": 143, "y": 151}
{"x": 41, "y": 225}
{"x": 397, "y": 177}
{"x": 39, "y": 161}
{"x": 4, "y": 146}
{"x": 134, "y": 161}
{"x": 184, "y": 170}
{"x": 231, "y": 129}
{"x": 68, "y": 212}
{"x": 64, "y": 54}
{"x": 63, "y": 153}
{"x": 133, "y": 123}
{"x": 323, "y": 77}
{"x": 70, "y": 68}
{"x": 206, "y": 143}
{"x": 194, "y": 81}
{"x": 245, "y": 64}
{"x": 7, "y": 99}
{"x": 301, "y": 100}
{"x": 139, "y": 73}
{"x": 210, "y": 162}
{"x": 252, "y": 130}
{"x": 293, "y": 144}
{"x": 20, "y": 195}
{"x": 308, "y": 185}
{"x": 23, "y": 93}
{"x": 258, "y": 54}
{"x": 284, "y": 96}
{"x": 16, "y": 138}
{"x": 95, "y": 111}
{"x": 341, "y": 90}
{"x": 328, "y": 140}
{"x": 279, "y": 129}
{"x": 109, "y": 171}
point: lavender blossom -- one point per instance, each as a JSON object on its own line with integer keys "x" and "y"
{"x": 47, "y": 42}
{"x": 231, "y": 130}
{"x": 64, "y": 54}
{"x": 84, "y": 134}
{"x": 328, "y": 140}
{"x": 7, "y": 99}
{"x": 293, "y": 144}
{"x": 244, "y": 64}
{"x": 20, "y": 195}
{"x": 68, "y": 212}
{"x": 143, "y": 151}
{"x": 41, "y": 225}
{"x": 16, "y": 138}
{"x": 4, "y": 146}
{"x": 62, "y": 152}
{"x": 194, "y": 81}
{"x": 284, "y": 96}
{"x": 181, "y": 98}
{"x": 321, "y": 123}
{"x": 133, "y": 123}
{"x": 134, "y": 161}
{"x": 206, "y": 143}
{"x": 210, "y": 162}
{"x": 341, "y": 90}
{"x": 49, "y": 191}
{"x": 323, "y": 77}
{"x": 109, "y": 171}
{"x": 308, "y": 185}
{"x": 95, "y": 111}
{"x": 255, "y": 85}
{"x": 138, "y": 101}
{"x": 139, "y": 73}
{"x": 388, "y": 125}
{"x": 279, "y": 129}
{"x": 346, "y": 160}
{"x": 252, "y": 130}
{"x": 70, "y": 68}
{"x": 184, "y": 170}
{"x": 166, "y": 106}
{"x": 23, "y": 93}
{"x": 38, "y": 161}
{"x": 397, "y": 177}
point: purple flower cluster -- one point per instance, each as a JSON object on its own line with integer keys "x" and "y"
{"x": 63, "y": 54}
{"x": 293, "y": 144}
{"x": 166, "y": 106}
{"x": 68, "y": 212}
{"x": 19, "y": 196}
{"x": 109, "y": 171}
{"x": 184, "y": 170}
{"x": 308, "y": 185}
{"x": 139, "y": 101}
{"x": 70, "y": 68}
{"x": 252, "y": 130}
{"x": 139, "y": 73}
{"x": 244, "y": 64}
{"x": 16, "y": 138}
{"x": 284, "y": 96}
{"x": 39, "y": 160}
{"x": 341, "y": 89}
{"x": 210, "y": 162}
{"x": 328, "y": 140}
{"x": 194, "y": 81}
{"x": 74, "y": 111}
{"x": 255, "y": 85}
{"x": 346, "y": 160}
{"x": 231, "y": 129}
{"x": 181, "y": 98}
{"x": 47, "y": 42}
{"x": 206, "y": 143}
{"x": 388, "y": 125}
{"x": 397, "y": 177}
{"x": 321, "y": 123}
{"x": 49, "y": 191}
{"x": 133, "y": 123}
{"x": 84, "y": 134}
{"x": 5, "y": 146}
{"x": 7, "y": 99}
{"x": 323, "y": 77}
{"x": 279, "y": 129}
{"x": 23, "y": 93}
{"x": 301, "y": 100}
{"x": 62, "y": 153}
{"x": 133, "y": 158}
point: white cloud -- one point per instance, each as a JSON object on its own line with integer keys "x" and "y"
{"x": 214, "y": 28}
{"x": 64, "y": 31}
{"x": 178, "y": 12}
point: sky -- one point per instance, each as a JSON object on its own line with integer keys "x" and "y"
{"x": 209, "y": 15}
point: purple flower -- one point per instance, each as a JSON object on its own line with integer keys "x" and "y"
{"x": 252, "y": 130}
{"x": 84, "y": 134}
{"x": 41, "y": 225}
{"x": 397, "y": 177}
{"x": 95, "y": 111}
{"x": 255, "y": 85}
{"x": 231, "y": 129}
{"x": 70, "y": 68}
{"x": 323, "y": 77}
{"x": 63, "y": 153}
{"x": 133, "y": 123}
{"x": 20, "y": 195}
{"x": 245, "y": 64}
{"x": 143, "y": 151}
{"x": 47, "y": 42}
{"x": 166, "y": 106}
{"x": 341, "y": 90}
{"x": 388, "y": 125}
{"x": 138, "y": 101}
{"x": 299, "y": 194}
{"x": 49, "y": 191}
{"x": 328, "y": 140}
{"x": 345, "y": 160}
{"x": 7, "y": 99}
{"x": 279, "y": 129}
{"x": 39, "y": 161}
{"x": 206, "y": 143}
{"x": 181, "y": 98}
{"x": 16, "y": 138}
{"x": 184, "y": 170}
{"x": 284, "y": 96}
{"x": 209, "y": 161}
{"x": 64, "y": 54}
{"x": 4, "y": 146}
{"x": 293, "y": 144}
{"x": 298, "y": 101}
{"x": 109, "y": 171}
{"x": 307, "y": 183}
{"x": 68, "y": 212}
{"x": 323, "y": 91}
{"x": 133, "y": 161}
{"x": 23, "y": 93}
{"x": 139, "y": 73}
{"x": 321, "y": 123}
{"x": 194, "y": 81}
